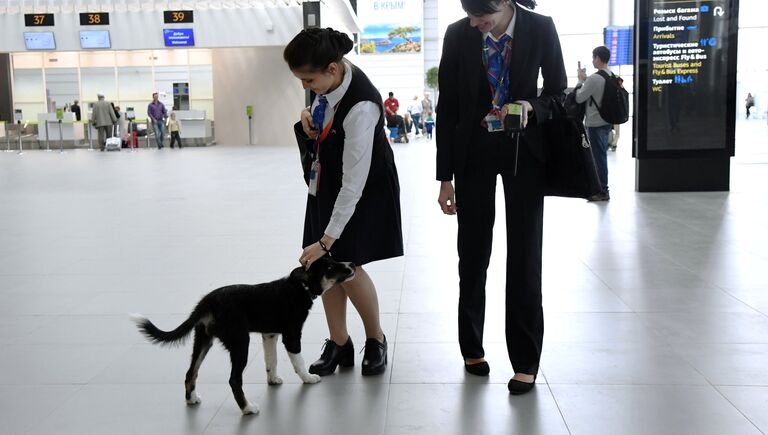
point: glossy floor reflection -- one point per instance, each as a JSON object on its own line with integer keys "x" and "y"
{"x": 656, "y": 304}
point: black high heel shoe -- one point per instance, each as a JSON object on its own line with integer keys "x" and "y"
{"x": 375, "y": 357}
{"x": 478, "y": 369}
{"x": 333, "y": 355}
{"x": 519, "y": 387}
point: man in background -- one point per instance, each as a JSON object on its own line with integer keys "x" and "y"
{"x": 391, "y": 106}
{"x": 590, "y": 89}
{"x": 75, "y": 108}
{"x": 157, "y": 114}
{"x": 426, "y": 108}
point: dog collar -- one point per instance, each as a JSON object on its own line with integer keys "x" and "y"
{"x": 306, "y": 289}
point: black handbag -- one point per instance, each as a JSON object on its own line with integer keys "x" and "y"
{"x": 572, "y": 108}
{"x": 306, "y": 149}
{"x": 571, "y": 170}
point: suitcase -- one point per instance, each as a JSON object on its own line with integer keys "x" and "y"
{"x": 114, "y": 143}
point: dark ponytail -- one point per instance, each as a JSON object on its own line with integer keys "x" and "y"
{"x": 316, "y": 48}
{"x": 485, "y": 7}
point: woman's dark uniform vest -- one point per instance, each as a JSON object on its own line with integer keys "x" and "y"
{"x": 374, "y": 232}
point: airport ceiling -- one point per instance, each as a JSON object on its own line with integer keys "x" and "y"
{"x": 75, "y": 6}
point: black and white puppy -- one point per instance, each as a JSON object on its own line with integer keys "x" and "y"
{"x": 230, "y": 313}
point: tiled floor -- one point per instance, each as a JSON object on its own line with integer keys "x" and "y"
{"x": 656, "y": 304}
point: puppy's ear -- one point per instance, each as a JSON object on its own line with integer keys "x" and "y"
{"x": 300, "y": 274}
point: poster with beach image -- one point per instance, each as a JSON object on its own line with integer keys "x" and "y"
{"x": 391, "y": 26}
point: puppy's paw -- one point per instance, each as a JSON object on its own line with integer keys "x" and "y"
{"x": 250, "y": 409}
{"x": 309, "y": 378}
{"x": 275, "y": 380}
{"x": 194, "y": 399}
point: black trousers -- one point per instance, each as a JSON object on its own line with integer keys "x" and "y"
{"x": 490, "y": 155}
{"x": 175, "y": 137}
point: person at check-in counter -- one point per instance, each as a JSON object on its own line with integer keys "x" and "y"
{"x": 103, "y": 118}
{"x": 75, "y": 108}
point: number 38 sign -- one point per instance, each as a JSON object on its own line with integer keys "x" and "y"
{"x": 94, "y": 19}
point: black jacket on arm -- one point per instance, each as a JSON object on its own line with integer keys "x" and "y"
{"x": 465, "y": 96}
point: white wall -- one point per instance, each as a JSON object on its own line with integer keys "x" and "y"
{"x": 136, "y": 30}
{"x": 257, "y": 77}
{"x": 431, "y": 35}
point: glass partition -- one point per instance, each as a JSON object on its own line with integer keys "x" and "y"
{"x": 62, "y": 87}
{"x": 28, "y": 92}
{"x": 94, "y": 81}
{"x": 135, "y": 88}
{"x": 165, "y": 77}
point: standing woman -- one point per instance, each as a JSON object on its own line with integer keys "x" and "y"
{"x": 353, "y": 206}
{"x": 491, "y": 58}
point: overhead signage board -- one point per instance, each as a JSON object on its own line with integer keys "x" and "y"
{"x": 94, "y": 39}
{"x": 173, "y": 17}
{"x": 39, "y": 41}
{"x": 619, "y": 39}
{"x": 36, "y": 20}
{"x": 94, "y": 19}
{"x": 179, "y": 37}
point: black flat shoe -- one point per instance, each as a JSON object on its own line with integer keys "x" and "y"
{"x": 333, "y": 355}
{"x": 478, "y": 369}
{"x": 375, "y": 357}
{"x": 519, "y": 387}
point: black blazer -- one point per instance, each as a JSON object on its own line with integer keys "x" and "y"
{"x": 465, "y": 96}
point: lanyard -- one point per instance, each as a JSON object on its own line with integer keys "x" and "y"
{"x": 500, "y": 91}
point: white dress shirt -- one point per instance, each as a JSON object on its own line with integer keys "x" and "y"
{"x": 359, "y": 128}
{"x": 510, "y": 29}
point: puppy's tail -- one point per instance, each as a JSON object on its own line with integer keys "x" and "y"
{"x": 176, "y": 337}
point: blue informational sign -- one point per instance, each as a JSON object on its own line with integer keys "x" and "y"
{"x": 39, "y": 41}
{"x": 179, "y": 37}
{"x": 94, "y": 39}
{"x": 618, "y": 39}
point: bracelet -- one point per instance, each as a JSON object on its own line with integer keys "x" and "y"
{"x": 323, "y": 246}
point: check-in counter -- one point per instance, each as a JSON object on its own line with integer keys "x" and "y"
{"x": 71, "y": 130}
{"x": 195, "y": 128}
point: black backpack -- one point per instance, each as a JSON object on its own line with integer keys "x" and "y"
{"x": 614, "y": 108}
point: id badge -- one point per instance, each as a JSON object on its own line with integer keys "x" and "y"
{"x": 493, "y": 122}
{"x": 314, "y": 176}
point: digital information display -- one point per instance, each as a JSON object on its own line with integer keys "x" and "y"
{"x": 94, "y": 39}
{"x": 171, "y": 17}
{"x": 686, "y": 87}
{"x": 94, "y": 19}
{"x": 39, "y": 41}
{"x": 179, "y": 37}
{"x": 619, "y": 40}
{"x": 34, "y": 20}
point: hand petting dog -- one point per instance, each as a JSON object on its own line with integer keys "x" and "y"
{"x": 313, "y": 252}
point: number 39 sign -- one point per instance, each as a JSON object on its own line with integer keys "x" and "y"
{"x": 171, "y": 17}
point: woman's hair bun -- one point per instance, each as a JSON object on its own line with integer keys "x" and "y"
{"x": 340, "y": 40}
{"x": 316, "y": 48}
